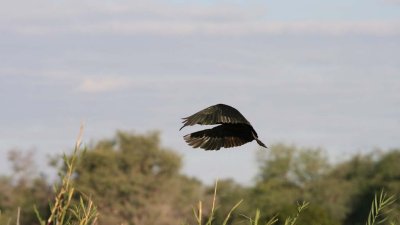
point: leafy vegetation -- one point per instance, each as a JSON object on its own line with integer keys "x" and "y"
{"x": 63, "y": 210}
{"x": 132, "y": 179}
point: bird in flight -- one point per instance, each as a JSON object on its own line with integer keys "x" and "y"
{"x": 233, "y": 129}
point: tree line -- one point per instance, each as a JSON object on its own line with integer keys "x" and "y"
{"x": 133, "y": 179}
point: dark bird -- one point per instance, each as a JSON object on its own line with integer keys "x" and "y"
{"x": 234, "y": 129}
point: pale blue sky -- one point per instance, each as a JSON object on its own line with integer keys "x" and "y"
{"x": 341, "y": 10}
{"x": 312, "y": 73}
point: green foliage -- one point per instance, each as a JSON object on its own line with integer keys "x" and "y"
{"x": 23, "y": 189}
{"x": 85, "y": 212}
{"x": 256, "y": 220}
{"x": 62, "y": 209}
{"x": 337, "y": 194}
{"x": 198, "y": 213}
{"x": 230, "y": 194}
{"x": 378, "y": 205}
{"x": 134, "y": 180}
{"x": 300, "y": 208}
{"x": 388, "y": 167}
{"x": 284, "y": 178}
{"x": 292, "y": 164}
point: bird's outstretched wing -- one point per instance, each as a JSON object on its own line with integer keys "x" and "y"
{"x": 216, "y": 114}
{"x": 224, "y": 135}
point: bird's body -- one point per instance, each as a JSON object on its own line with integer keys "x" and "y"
{"x": 234, "y": 129}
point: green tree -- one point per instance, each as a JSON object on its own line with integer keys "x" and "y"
{"x": 229, "y": 193}
{"x": 23, "y": 189}
{"x": 134, "y": 180}
{"x": 369, "y": 175}
{"x": 286, "y": 173}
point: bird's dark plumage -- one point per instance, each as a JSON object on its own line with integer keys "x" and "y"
{"x": 234, "y": 129}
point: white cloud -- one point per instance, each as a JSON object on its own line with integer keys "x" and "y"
{"x": 158, "y": 18}
{"x": 182, "y": 28}
{"x": 44, "y": 9}
{"x": 392, "y": 1}
{"x": 105, "y": 84}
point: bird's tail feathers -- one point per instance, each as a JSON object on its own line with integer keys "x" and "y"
{"x": 260, "y": 143}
